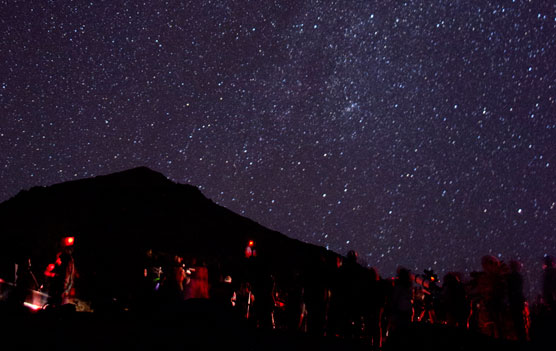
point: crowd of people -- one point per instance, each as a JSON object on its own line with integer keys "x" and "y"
{"x": 340, "y": 298}
{"x": 348, "y": 300}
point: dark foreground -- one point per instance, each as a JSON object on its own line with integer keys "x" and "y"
{"x": 199, "y": 324}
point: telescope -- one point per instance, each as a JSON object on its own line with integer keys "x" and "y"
{"x": 428, "y": 281}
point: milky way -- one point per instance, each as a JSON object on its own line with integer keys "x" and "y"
{"x": 420, "y": 134}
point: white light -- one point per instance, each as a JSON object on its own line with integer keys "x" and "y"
{"x": 31, "y": 306}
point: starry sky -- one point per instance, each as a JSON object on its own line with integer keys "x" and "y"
{"x": 418, "y": 133}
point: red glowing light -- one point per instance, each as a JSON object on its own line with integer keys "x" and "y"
{"x": 251, "y": 243}
{"x": 68, "y": 241}
{"x": 49, "y": 272}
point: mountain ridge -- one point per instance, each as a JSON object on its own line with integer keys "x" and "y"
{"x": 116, "y": 218}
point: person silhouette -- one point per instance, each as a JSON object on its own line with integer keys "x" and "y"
{"x": 516, "y": 299}
{"x": 62, "y": 278}
{"x": 549, "y": 282}
{"x": 401, "y": 302}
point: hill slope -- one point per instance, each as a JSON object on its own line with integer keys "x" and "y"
{"x": 116, "y": 218}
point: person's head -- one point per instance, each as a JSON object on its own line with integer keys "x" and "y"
{"x": 403, "y": 275}
{"x": 451, "y": 279}
{"x": 352, "y": 256}
{"x": 515, "y": 266}
{"x": 548, "y": 262}
{"x": 489, "y": 263}
{"x": 373, "y": 274}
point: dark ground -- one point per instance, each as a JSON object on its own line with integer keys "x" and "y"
{"x": 199, "y": 325}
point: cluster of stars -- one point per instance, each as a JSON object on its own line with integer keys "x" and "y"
{"x": 417, "y": 133}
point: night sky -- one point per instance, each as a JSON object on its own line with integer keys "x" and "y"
{"x": 418, "y": 133}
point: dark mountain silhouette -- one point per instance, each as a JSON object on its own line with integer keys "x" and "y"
{"x": 116, "y": 218}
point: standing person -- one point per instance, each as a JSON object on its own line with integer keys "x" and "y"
{"x": 244, "y": 301}
{"x": 373, "y": 305}
{"x": 62, "y": 278}
{"x": 453, "y": 301}
{"x": 25, "y": 282}
{"x": 335, "y": 300}
{"x": 516, "y": 300}
{"x": 198, "y": 287}
{"x": 401, "y": 302}
{"x": 150, "y": 283}
{"x": 351, "y": 291}
{"x": 262, "y": 285}
{"x": 291, "y": 303}
{"x": 549, "y": 283}
{"x": 316, "y": 296}
{"x": 491, "y": 291}
{"x": 172, "y": 288}
{"x": 263, "y": 288}
{"x": 223, "y": 293}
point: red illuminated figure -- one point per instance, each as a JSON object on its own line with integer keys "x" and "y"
{"x": 61, "y": 275}
{"x": 250, "y": 249}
